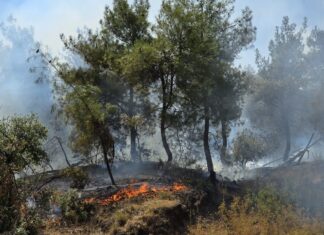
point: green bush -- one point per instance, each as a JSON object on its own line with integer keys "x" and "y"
{"x": 74, "y": 210}
{"x": 43, "y": 199}
{"x": 80, "y": 178}
{"x": 21, "y": 142}
{"x": 248, "y": 147}
{"x": 29, "y": 223}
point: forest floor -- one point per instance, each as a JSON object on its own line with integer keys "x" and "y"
{"x": 283, "y": 200}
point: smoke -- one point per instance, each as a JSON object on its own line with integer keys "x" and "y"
{"x": 20, "y": 94}
{"x": 22, "y": 89}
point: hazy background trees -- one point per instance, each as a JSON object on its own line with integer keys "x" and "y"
{"x": 178, "y": 76}
{"x": 175, "y": 80}
{"x": 282, "y": 79}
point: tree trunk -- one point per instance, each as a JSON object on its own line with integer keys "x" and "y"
{"x": 163, "y": 135}
{"x": 133, "y": 151}
{"x": 139, "y": 148}
{"x": 288, "y": 138}
{"x": 163, "y": 117}
{"x": 133, "y": 132}
{"x": 105, "y": 156}
{"x": 63, "y": 150}
{"x": 10, "y": 202}
{"x": 208, "y": 156}
{"x": 224, "y": 144}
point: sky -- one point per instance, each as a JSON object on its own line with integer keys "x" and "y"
{"x": 50, "y": 18}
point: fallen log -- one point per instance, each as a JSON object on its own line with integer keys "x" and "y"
{"x": 298, "y": 155}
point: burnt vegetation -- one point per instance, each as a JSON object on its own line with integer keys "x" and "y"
{"x": 143, "y": 113}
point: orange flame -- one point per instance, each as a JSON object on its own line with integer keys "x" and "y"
{"x": 131, "y": 192}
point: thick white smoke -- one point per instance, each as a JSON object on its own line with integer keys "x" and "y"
{"x": 21, "y": 89}
{"x": 19, "y": 92}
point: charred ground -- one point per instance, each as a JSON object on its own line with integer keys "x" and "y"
{"x": 146, "y": 201}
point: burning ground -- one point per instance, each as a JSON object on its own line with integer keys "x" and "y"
{"x": 173, "y": 200}
{"x": 143, "y": 190}
{"x": 149, "y": 203}
{"x": 132, "y": 94}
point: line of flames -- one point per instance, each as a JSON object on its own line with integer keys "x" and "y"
{"x": 131, "y": 192}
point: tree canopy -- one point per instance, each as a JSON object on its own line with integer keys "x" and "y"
{"x": 21, "y": 146}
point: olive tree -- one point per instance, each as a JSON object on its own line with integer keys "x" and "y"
{"x": 21, "y": 146}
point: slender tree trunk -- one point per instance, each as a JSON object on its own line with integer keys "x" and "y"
{"x": 163, "y": 135}
{"x": 133, "y": 150}
{"x": 133, "y": 132}
{"x": 288, "y": 138}
{"x": 63, "y": 150}
{"x": 105, "y": 156}
{"x": 139, "y": 148}
{"x": 224, "y": 144}
{"x": 209, "y": 160}
{"x": 10, "y": 202}
{"x": 163, "y": 117}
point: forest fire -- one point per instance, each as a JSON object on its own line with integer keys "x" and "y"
{"x": 132, "y": 192}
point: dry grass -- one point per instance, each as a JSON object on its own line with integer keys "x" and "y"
{"x": 75, "y": 231}
{"x": 252, "y": 225}
{"x": 302, "y": 183}
{"x": 264, "y": 213}
{"x": 147, "y": 215}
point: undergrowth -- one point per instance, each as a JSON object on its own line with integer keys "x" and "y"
{"x": 264, "y": 212}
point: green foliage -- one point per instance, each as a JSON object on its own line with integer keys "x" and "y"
{"x": 314, "y": 105}
{"x": 280, "y": 86}
{"x": 202, "y": 50}
{"x": 88, "y": 115}
{"x": 21, "y": 142}
{"x": 105, "y": 95}
{"x": 248, "y": 147}
{"x": 186, "y": 58}
{"x": 79, "y": 176}
{"x": 43, "y": 199}
{"x": 269, "y": 203}
{"x": 21, "y": 145}
{"x": 29, "y": 224}
{"x": 127, "y": 23}
{"x": 73, "y": 209}
{"x": 138, "y": 64}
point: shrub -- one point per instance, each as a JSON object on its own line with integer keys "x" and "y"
{"x": 264, "y": 212}
{"x": 21, "y": 143}
{"x": 29, "y": 223}
{"x": 43, "y": 199}
{"x": 80, "y": 177}
{"x": 74, "y": 210}
{"x": 248, "y": 147}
